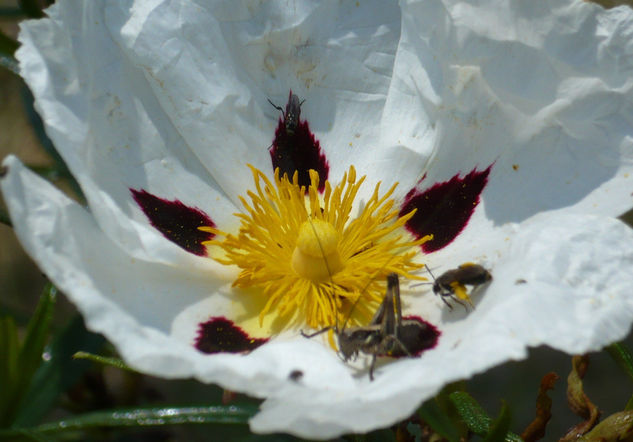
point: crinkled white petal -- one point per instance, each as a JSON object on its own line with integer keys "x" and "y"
{"x": 137, "y": 304}
{"x": 171, "y": 97}
{"x": 578, "y": 272}
{"x": 213, "y": 67}
{"x": 542, "y": 91}
{"x": 105, "y": 121}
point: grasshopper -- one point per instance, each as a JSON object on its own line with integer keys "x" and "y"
{"x": 388, "y": 334}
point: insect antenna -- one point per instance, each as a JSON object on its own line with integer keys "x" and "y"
{"x": 279, "y": 108}
{"x": 417, "y": 284}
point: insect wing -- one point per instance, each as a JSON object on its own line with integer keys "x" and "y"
{"x": 472, "y": 274}
{"x": 293, "y": 113}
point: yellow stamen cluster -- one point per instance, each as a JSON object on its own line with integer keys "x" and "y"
{"x": 312, "y": 263}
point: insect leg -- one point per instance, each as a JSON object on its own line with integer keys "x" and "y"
{"x": 394, "y": 285}
{"x": 312, "y": 335}
{"x": 443, "y": 296}
{"x": 371, "y": 367}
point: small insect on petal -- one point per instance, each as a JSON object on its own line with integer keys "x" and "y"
{"x": 451, "y": 284}
{"x": 292, "y": 113}
{"x": 388, "y": 334}
{"x": 295, "y": 375}
{"x": 294, "y": 147}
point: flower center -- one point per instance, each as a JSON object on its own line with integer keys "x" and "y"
{"x": 311, "y": 261}
{"x": 316, "y": 255}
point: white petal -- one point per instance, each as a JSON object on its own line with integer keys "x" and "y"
{"x": 579, "y": 271}
{"x": 213, "y": 66}
{"x": 131, "y": 301}
{"x": 543, "y": 92}
{"x": 104, "y": 120}
{"x": 131, "y": 112}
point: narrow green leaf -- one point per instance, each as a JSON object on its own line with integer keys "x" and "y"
{"x": 9, "y": 373}
{"x": 114, "y": 362}
{"x": 622, "y": 356}
{"x": 59, "y": 372}
{"x": 37, "y": 329}
{"x": 475, "y": 418}
{"x": 11, "y": 12}
{"x": 9, "y": 63}
{"x": 4, "y": 218}
{"x": 629, "y": 404}
{"x": 29, "y": 436}
{"x": 29, "y": 356}
{"x": 144, "y": 417}
{"x": 31, "y": 8}
{"x": 8, "y": 45}
{"x": 500, "y": 427}
{"x": 435, "y": 417}
{"x": 51, "y": 173}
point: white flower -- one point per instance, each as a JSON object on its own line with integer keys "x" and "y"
{"x": 507, "y": 124}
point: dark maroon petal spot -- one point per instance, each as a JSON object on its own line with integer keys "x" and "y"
{"x": 445, "y": 208}
{"x": 295, "y": 148}
{"x": 177, "y": 222}
{"x": 220, "y": 335}
{"x": 417, "y": 335}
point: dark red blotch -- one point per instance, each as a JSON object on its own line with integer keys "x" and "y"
{"x": 221, "y": 335}
{"x": 444, "y": 209}
{"x": 417, "y": 337}
{"x": 177, "y": 222}
{"x": 299, "y": 151}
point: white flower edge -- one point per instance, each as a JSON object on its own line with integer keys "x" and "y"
{"x": 310, "y": 409}
{"x": 129, "y": 102}
{"x": 542, "y": 92}
{"x": 578, "y": 273}
{"x": 562, "y": 281}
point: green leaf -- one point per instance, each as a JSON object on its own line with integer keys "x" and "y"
{"x": 471, "y": 412}
{"x": 9, "y": 350}
{"x": 59, "y": 372}
{"x": 113, "y": 362}
{"x": 8, "y": 12}
{"x": 143, "y": 417}
{"x": 622, "y": 356}
{"x": 8, "y": 45}
{"x": 435, "y": 417}
{"x": 29, "y": 355}
{"x": 475, "y": 418}
{"x": 4, "y": 218}
{"x": 10, "y": 63}
{"x": 31, "y": 8}
{"x": 500, "y": 427}
{"x": 629, "y": 404}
